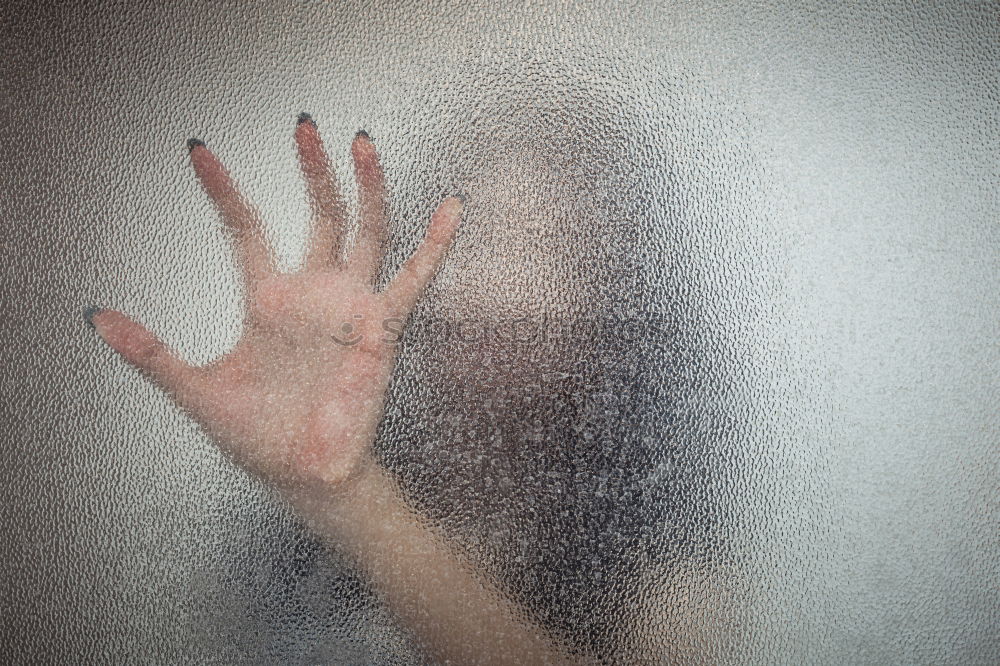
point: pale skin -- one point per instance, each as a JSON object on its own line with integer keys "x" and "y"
{"x": 297, "y": 407}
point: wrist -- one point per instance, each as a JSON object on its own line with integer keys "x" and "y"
{"x": 338, "y": 509}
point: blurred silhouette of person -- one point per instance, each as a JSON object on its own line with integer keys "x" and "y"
{"x": 299, "y": 400}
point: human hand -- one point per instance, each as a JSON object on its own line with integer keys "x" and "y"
{"x": 299, "y": 398}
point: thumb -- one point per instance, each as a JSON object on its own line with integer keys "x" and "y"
{"x": 142, "y": 349}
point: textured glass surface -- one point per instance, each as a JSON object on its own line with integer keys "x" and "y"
{"x": 749, "y": 413}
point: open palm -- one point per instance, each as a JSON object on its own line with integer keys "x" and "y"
{"x": 299, "y": 398}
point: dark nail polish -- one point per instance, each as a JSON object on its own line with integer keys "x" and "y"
{"x": 88, "y": 314}
{"x": 363, "y": 133}
{"x": 461, "y": 197}
{"x": 306, "y": 118}
{"x": 194, "y": 143}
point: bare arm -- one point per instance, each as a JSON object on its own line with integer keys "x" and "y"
{"x": 457, "y": 615}
{"x": 298, "y": 400}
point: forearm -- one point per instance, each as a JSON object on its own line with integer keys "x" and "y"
{"x": 457, "y": 615}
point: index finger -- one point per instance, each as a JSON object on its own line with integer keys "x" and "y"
{"x": 417, "y": 271}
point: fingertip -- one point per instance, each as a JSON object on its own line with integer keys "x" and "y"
{"x": 368, "y": 166}
{"x": 446, "y": 220}
{"x": 362, "y": 145}
{"x": 306, "y": 128}
{"x": 89, "y": 313}
{"x": 201, "y": 157}
{"x": 453, "y": 206}
{"x": 211, "y": 173}
{"x": 107, "y": 323}
{"x": 104, "y": 321}
{"x": 136, "y": 344}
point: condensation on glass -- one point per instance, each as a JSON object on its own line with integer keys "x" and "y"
{"x": 749, "y": 410}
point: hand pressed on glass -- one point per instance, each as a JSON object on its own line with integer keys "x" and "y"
{"x": 299, "y": 398}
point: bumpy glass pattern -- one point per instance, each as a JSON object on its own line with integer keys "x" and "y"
{"x": 709, "y": 375}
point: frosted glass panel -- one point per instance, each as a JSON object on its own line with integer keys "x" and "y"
{"x": 709, "y": 373}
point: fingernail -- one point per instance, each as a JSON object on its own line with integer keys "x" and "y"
{"x": 306, "y": 118}
{"x": 194, "y": 143}
{"x": 461, "y": 197}
{"x": 88, "y": 314}
{"x": 363, "y": 133}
